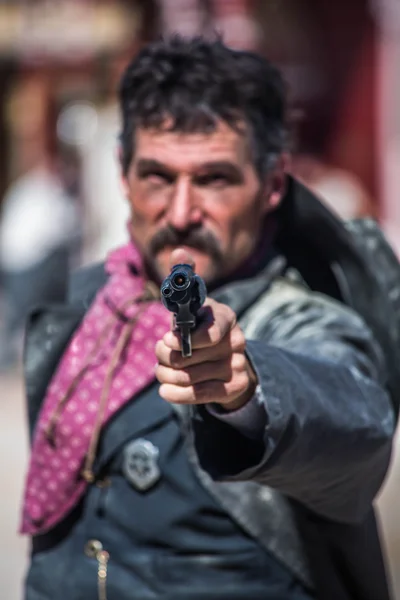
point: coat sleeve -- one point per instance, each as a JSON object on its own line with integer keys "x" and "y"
{"x": 328, "y": 419}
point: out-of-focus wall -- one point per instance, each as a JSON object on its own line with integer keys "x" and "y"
{"x": 387, "y": 15}
{"x": 61, "y": 62}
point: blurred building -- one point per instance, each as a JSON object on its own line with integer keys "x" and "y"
{"x": 60, "y": 61}
{"x": 59, "y": 64}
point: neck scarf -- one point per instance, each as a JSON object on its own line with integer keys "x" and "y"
{"x": 109, "y": 360}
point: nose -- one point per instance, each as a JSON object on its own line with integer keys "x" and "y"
{"x": 182, "y": 210}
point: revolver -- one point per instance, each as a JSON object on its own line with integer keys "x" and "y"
{"x": 183, "y": 293}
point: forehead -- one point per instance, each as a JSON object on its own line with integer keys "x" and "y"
{"x": 186, "y": 150}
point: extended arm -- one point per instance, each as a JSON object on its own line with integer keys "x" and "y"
{"x": 327, "y": 421}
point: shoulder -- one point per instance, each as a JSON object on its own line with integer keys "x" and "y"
{"x": 289, "y": 296}
{"x": 84, "y": 283}
{"x": 292, "y": 316}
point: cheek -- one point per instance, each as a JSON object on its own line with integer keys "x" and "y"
{"x": 235, "y": 217}
{"x": 145, "y": 212}
{"x": 142, "y": 228}
{"x": 244, "y": 234}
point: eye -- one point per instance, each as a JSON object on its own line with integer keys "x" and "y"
{"x": 157, "y": 178}
{"x": 214, "y": 180}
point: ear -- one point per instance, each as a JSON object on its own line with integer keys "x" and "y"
{"x": 275, "y": 185}
{"x": 122, "y": 178}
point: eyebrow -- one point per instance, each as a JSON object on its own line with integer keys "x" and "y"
{"x": 146, "y": 165}
{"x": 228, "y": 168}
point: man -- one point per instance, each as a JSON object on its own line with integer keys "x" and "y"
{"x": 219, "y": 480}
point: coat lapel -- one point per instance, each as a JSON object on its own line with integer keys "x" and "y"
{"x": 48, "y": 331}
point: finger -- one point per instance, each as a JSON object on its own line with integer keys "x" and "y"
{"x": 234, "y": 341}
{"x": 180, "y": 256}
{"x": 212, "y": 391}
{"x": 216, "y": 320}
{"x": 174, "y": 358}
{"x": 220, "y": 320}
{"x": 219, "y": 370}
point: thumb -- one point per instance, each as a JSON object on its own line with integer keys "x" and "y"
{"x": 180, "y": 256}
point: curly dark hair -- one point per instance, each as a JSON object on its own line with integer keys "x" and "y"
{"x": 190, "y": 84}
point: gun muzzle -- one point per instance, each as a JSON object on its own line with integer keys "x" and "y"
{"x": 183, "y": 293}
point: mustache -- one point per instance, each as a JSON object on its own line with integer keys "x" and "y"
{"x": 199, "y": 239}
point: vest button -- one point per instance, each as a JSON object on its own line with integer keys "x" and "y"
{"x": 92, "y": 548}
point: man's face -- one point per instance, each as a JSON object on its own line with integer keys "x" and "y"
{"x": 197, "y": 191}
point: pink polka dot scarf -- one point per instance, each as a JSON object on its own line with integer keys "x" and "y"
{"x": 109, "y": 360}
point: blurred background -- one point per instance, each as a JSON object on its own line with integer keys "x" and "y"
{"x": 60, "y": 201}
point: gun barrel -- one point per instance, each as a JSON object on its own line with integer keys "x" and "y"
{"x": 180, "y": 281}
{"x": 183, "y": 293}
